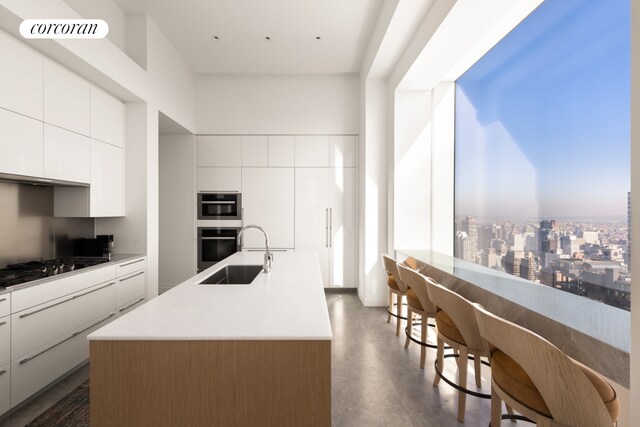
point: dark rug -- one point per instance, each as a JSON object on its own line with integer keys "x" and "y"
{"x": 70, "y": 411}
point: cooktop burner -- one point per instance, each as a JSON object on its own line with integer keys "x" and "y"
{"x": 16, "y": 274}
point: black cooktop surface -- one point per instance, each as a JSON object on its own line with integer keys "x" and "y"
{"x": 17, "y": 274}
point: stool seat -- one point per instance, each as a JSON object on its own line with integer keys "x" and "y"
{"x": 413, "y": 301}
{"x": 514, "y": 381}
{"x": 393, "y": 284}
{"x": 447, "y": 328}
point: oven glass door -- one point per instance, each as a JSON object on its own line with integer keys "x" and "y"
{"x": 219, "y": 205}
{"x": 215, "y": 244}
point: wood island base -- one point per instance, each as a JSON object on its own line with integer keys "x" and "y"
{"x": 210, "y": 383}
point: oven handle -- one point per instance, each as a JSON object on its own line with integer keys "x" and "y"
{"x": 218, "y": 203}
{"x": 217, "y": 238}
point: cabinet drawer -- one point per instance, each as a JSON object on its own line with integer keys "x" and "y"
{"x": 129, "y": 288}
{"x": 5, "y": 339}
{"x": 5, "y": 388}
{"x": 30, "y": 297}
{"x": 37, "y": 326}
{"x": 121, "y": 311}
{"x": 128, "y": 267}
{"x": 47, "y": 363}
{"x": 5, "y": 304}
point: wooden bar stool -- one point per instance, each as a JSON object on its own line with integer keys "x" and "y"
{"x": 396, "y": 287}
{"x": 457, "y": 327}
{"x": 418, "y": 302}
{"x": 535, "y": 378}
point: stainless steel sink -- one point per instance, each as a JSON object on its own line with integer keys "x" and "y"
{"x": 233, "y": 275}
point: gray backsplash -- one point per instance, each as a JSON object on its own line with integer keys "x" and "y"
{"x": 28, "y": 229}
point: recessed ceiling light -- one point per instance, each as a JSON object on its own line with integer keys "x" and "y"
{"x": 267, "y": 38}
{"x": 215, "y": 38}
{"x": 318, "y": 38}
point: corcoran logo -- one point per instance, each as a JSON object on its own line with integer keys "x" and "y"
{"x": 64, "y": 29}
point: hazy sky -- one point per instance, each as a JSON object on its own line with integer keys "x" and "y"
{"x": 543, "y": 120}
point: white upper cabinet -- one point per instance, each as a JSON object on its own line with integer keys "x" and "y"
{"x": 268, "y": 201}
{"x": 343, "y": 151}
{"x": 20, "y": 78}
{"x": 20, "y": 144}
{"x": 219, "y": 179}
{"x": 255, "y": 151}
{"x": 107, "y": 118}
{"x": 67, "y": 155}
{"x": 107, "y": 180}
{"x": 67, "y": 99}
{"x": 281, "y": 151}
{"x": 219, "y": 151}
{"x": 312, "y": 151}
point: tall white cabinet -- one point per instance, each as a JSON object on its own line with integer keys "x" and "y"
{"x": 325, "y": 204}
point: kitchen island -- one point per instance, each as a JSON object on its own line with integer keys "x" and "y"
{"x": 257, "y": 354}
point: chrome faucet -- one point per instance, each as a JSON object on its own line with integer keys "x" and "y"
{"x": 268, "y": 257}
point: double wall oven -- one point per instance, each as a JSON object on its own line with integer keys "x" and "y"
{"x": 219, "y": 222}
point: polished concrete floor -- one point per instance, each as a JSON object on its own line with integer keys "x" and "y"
{"x": 375, "y": 381}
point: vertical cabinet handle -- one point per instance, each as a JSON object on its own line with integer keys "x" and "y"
{"x": 326, "y": 227}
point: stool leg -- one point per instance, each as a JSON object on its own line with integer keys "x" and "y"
{"x": 423, "y": 338}
{"x": 390, "y": 307}
{"x": 462, "y": 382}
{"x": 476, "y": 367}
{"x": 399, "y": 313}
{"x": 510, "y": 411}
{"x": 409, "y": 327}
{"x": 496, "y": 409}
{"x": 440, "y": 360}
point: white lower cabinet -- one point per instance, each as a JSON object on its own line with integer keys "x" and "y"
{"x": 5, "y": 388}
{"x": 45, "y": 364}
{"x": 45, "y": 334}
{"x": 325, "y": 221}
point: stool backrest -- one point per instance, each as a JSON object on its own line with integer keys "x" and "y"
{"x": 461, "y": 313}
{"x": 418, "y": 283}
{"x": 391, "y": 266}
{"x": 570, "y": 396}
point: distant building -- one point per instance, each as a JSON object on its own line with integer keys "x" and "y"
{"x": 465, "y": 247}
{"x": 629, "y": 229}
{"x": 528, "y": 267}
{"x": 591, "y": 237}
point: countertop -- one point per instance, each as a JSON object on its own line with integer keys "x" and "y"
{"x": 286, "y": 304}
{"x": 115, "y": 259}
{"x": 594, "y": 333}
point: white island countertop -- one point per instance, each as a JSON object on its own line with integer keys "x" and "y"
{"x": 286, "y": 304}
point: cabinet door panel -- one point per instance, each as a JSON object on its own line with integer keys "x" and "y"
{"x": 20, "y": 144}
{"x": 219, "y": 151}
{"x": 267, "y": 197}
{"x": 255, "y": 151}
{"x": 5, "y": 339}
{"x": 312, "y": 151}
{"x": 5, "y": 388}
{"x": 20, "y": 78}
{"x": 107, "y": 118}
{"x": 312, "y": 202}
{"x": 67, "y": 155}
{"x": 281, "y": 151}
{"x": 219, "y": 179}
{"x": 343, "y": 227}
{"x": 343, "y": 151}
{"x": 67, "y": 99}
{"x": 107, "y": 180}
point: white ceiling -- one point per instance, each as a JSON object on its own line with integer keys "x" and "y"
{"x": 344, "y": 26}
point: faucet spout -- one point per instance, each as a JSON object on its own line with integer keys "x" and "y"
{"x": 268, "y": 257}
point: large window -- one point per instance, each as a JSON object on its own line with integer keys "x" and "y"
{"x": 542, "y": 151}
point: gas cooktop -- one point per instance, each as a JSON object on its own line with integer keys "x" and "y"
{"x": 17, "y": 274}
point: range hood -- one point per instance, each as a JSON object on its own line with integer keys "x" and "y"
{"x": 24, "y": 179}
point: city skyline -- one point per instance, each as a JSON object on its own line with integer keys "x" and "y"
{"x": 531, "y": 141}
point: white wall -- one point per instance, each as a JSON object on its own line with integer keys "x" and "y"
{"x": 411, "y": 170}
{"x": 177, "y": 209}
{"x": 269, "y": 104}
{"x": 107, "y": 10}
